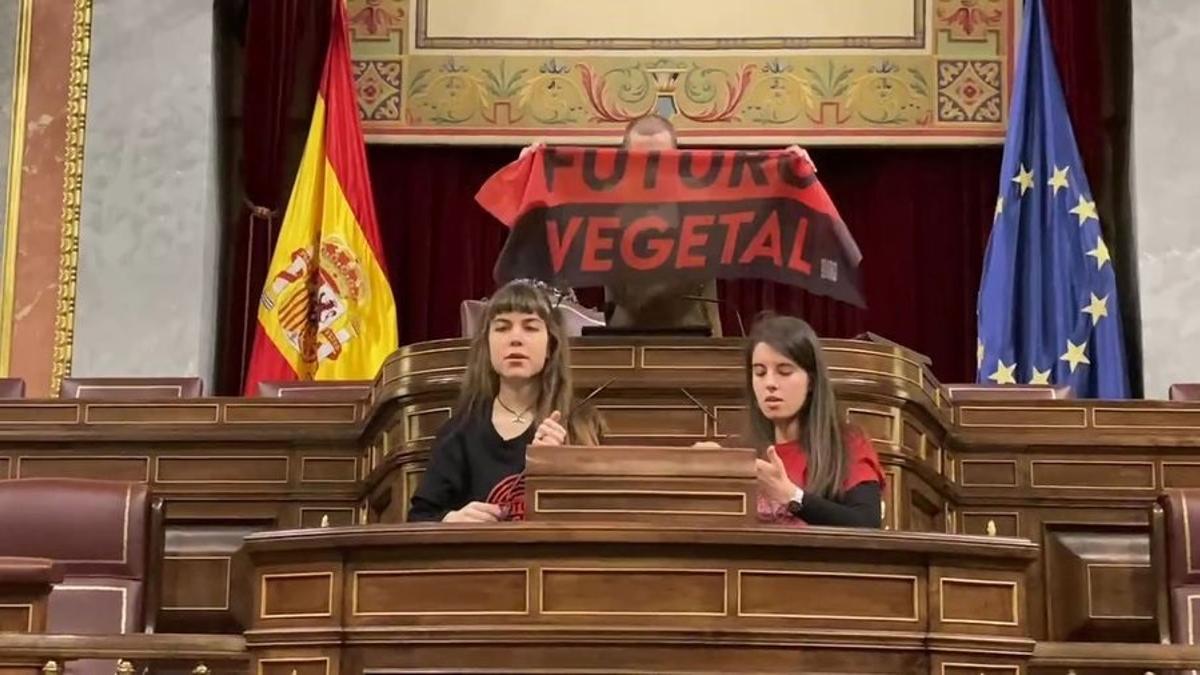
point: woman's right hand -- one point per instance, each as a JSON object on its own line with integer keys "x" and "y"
{"x": 475, "y": 512}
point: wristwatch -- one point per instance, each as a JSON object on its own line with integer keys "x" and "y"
{"x": 796, "y": 502}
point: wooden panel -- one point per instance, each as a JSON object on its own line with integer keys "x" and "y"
{"x": 967, "y": 668}
{"x": 627, "y": 501}
{"x": 1113, "y": 591}
{"x": 603, "y": 357}
{"x": 5, "y": 463}
{"x": 291, "y": 413}
{"x": 912, "y": 439}
{"x": 16, "y": 618}
{"x": 730, "y": 420}
{"x": 328, "y": 470}
{"x": 828, "y": 595}
{"x": 74, "y": 466}
{"x": 293, "y": 666}
{"x": 876, "y": 424}
{"x": 1078, "y": 555}
{"x": 33, "y": 413}
{"x": 424, "y": 360}
{"x": 978, "y": 601}
{"x": 465, "y": 592}
{"x": 1085, "y": 475}
{"x": 861, "y": 361}
{"x": 221, "y": 469}
{"x": 662, "y": 592}
{"x": 991, "y": 523}
{"x": 208, "y": 532}
{"x": 924, "y": 508}
{"x": 424, "y": 425}
{"x": 159, "y": 413}
{"x": 1145, "y": 418}
{"x": 654, "y": 421}
{"x": 288, "y": 596}
{"x": 692, "y": 358}
{"x": 196, "y": 583}
{"x": 1181, "y": 474}
{"x": 988, "y": 473}
{"x": 1022, "y": 417}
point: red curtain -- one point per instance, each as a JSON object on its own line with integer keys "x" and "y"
{"x": 921, "y": 216}
{"x": 281, "y": 44}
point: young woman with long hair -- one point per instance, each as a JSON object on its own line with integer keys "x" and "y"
{"x": 516, "y": 391}
{"x": 817, "y": 469}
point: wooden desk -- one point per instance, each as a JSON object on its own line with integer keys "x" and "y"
{"x": 567, "y": 598}
{"x": 1075, "y": 477}
{"x": 225, "y": 468}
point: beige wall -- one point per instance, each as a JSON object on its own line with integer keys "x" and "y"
{"x": 1166, "y": 188}
{"x": 149, "y": 239}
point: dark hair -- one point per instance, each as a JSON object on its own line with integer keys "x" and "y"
{"x": 555, "y": 392}
{"x": 650, "y": 125}
{"x": 821, "y": 431}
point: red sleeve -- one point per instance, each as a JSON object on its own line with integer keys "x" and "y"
{"x": 863, "y": 463}
{"x": 505, "y": 194}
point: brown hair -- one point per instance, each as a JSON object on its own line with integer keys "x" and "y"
{"x": 821, "y": 432}
{"x": 481, "y": 383}
{"x": 650, "y": 125}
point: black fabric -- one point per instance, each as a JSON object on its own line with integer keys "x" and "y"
{"x": 858, "y": 507}
{"x": 469, "y": 458}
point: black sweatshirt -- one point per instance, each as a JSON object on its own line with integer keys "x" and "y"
{"x": 469, "y": 458}
{"x": 858, "y": 507}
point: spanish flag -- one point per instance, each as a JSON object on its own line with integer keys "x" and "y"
{"x": 327, "y": 311}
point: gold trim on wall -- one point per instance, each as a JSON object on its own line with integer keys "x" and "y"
{"x": 68, "y": 264}
{"x": 16, "y": 157}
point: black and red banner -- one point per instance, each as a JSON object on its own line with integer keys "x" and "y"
{"x": 587, "y": 216}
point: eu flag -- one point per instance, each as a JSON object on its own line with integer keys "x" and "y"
{"x": 1047, "y": 309}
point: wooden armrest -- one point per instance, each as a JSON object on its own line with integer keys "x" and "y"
{"x": 29, "y": 572}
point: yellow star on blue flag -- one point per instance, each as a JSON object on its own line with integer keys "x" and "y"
{"x": 1046, "y": 255}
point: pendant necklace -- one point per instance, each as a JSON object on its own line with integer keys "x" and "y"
{"x": 518, "y": 417}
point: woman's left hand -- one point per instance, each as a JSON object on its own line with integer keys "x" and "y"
{"x": 550, "y": 431}
{"x": 773, "y": 481}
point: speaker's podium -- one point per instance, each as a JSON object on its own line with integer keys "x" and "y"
{"x": 636, "y": 559}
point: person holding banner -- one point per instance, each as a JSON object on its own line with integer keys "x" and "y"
{"x": 656, "y": 225}
{"x": 816, "y": 470}
{"x": 516, "y": 391}
{"x": 662, "y": 304}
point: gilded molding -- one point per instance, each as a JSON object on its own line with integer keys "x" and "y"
{"x": 8, "y": 262}
{"x": 945, "y": 77}
{"x": 64, "y": 324}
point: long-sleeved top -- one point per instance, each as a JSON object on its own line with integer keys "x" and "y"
{"x": 859, "y": 503}
{"x": 469, "y": 459}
